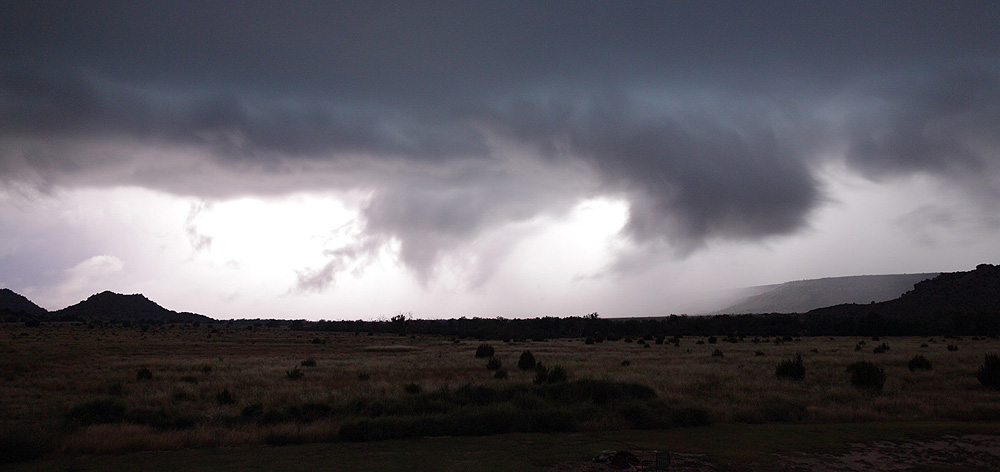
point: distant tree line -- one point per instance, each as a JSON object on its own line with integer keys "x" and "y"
{"x": 592, "y": 326}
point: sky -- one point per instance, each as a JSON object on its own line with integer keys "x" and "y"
{"x": 358, "y": 160}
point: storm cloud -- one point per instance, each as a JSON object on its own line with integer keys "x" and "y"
{"x": 711, "y": 119}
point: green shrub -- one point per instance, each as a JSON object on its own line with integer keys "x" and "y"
{"x": 867, "y": 376}
{"x": 144, "y": 374}
{"x": 989, "y": 372}
{"x": 484, "y": 351}
{"x": 718, "y": 353}
{"x": 294, "y": 374}
{"x": 527, "y": 361}
{"x": 493, "y": 364}
{"x": 919, "y": 363}
{"x": 881, "y": 348}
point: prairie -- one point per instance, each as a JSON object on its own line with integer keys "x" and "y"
{"x": 70, "y": 388}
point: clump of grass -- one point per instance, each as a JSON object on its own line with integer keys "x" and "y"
{"x": 718, "y": 353}
{"x": 144, "y": 374}
{"x": 308, "y": 363}
{"x": 952, "y": 348}
{"x": 867, "y": 376}
{"x": 189, "y": 379}
{"x": 493, "y": 364}
{"x": 484, "y": 351}
{"x": 791, "y": 368}
{"x": 881, "y": 348}
{"x": 362, "y": 376}
{"x": 500, "y": 375}
{"x": 989, "y": 373}
{"x": 294, "y": 374}
{"x": 526, "y": 361}
{"x": 918, "y": 362}
{"x": 412, "y": 388}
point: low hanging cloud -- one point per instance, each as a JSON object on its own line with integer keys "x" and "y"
{"x": 461, "y": 120}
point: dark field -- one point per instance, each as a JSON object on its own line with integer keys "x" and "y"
{"x": 212, "y": 394}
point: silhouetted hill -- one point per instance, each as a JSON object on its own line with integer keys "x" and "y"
{"x": 110, "y": 306}
{"x": 801, "y": 296}
{"x": 13, "y": 302}
{"x": 950, "y": 301}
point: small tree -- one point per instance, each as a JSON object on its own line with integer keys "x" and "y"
{"x": 484, "y": 351}
{"x": 527, "y": 361}
{"x": 493, "y": 364}
{"x": 791, "y": 368}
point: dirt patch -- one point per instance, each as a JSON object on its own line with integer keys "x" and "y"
{"x": 975, "y": 452}
{"x": 963, "y": 452}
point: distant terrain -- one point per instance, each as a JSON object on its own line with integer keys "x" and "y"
{"x": 954, "y": 303}
{"x": 803, "y": 295}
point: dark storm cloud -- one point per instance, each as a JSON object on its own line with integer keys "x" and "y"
{"x": 710, "y": 118}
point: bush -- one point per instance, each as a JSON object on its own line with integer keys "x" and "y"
{"x": 527, "y": 361}
{"x": 484, "y": 351}
{"x": 493, "y": 364}
{"x": 541, "y": 374}
{"x": 881, "y": 348}
{"x": 309, "y": 362}
{"x": 412, "y": 388}
{"x": 144, "y": 374}
{"x": 867, "y": 375}
{"x": 791, "y": 368}
{"x": 717, "y": 353}
{"x": 23, "y": 444}
{"x": 919, "y": 363}
{"x": 952, "y": 348}
{"x": 500, "y": 375}
{"x": 96, "y": 412}
{"x": 225, "y": 397}
{"x": 557, "y": 374}
{"x": 294, "y": 374}
{"x": 989, "y": 372}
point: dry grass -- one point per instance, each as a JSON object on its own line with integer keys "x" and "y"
{"x": 48, "y": 370}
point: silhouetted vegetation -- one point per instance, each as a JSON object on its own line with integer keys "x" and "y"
{"x": 484, "y": 351}
{"x": 867, "y": 376}
{"x": 526, "y": 361}
{"x": 989, "y": 373}
{"x": 918, "y": 362}
{"x": 791, "y": 368}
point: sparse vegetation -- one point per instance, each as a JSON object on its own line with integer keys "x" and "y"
{"x": 294, "y": 374}
{"x": 370, "y": 379}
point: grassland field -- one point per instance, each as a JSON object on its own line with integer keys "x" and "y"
{"x": 71, "y": 391}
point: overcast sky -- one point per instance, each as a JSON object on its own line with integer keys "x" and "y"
{"x": 330, "y": 160}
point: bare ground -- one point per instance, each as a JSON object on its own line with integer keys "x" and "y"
{"x": 962, "y": 452}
